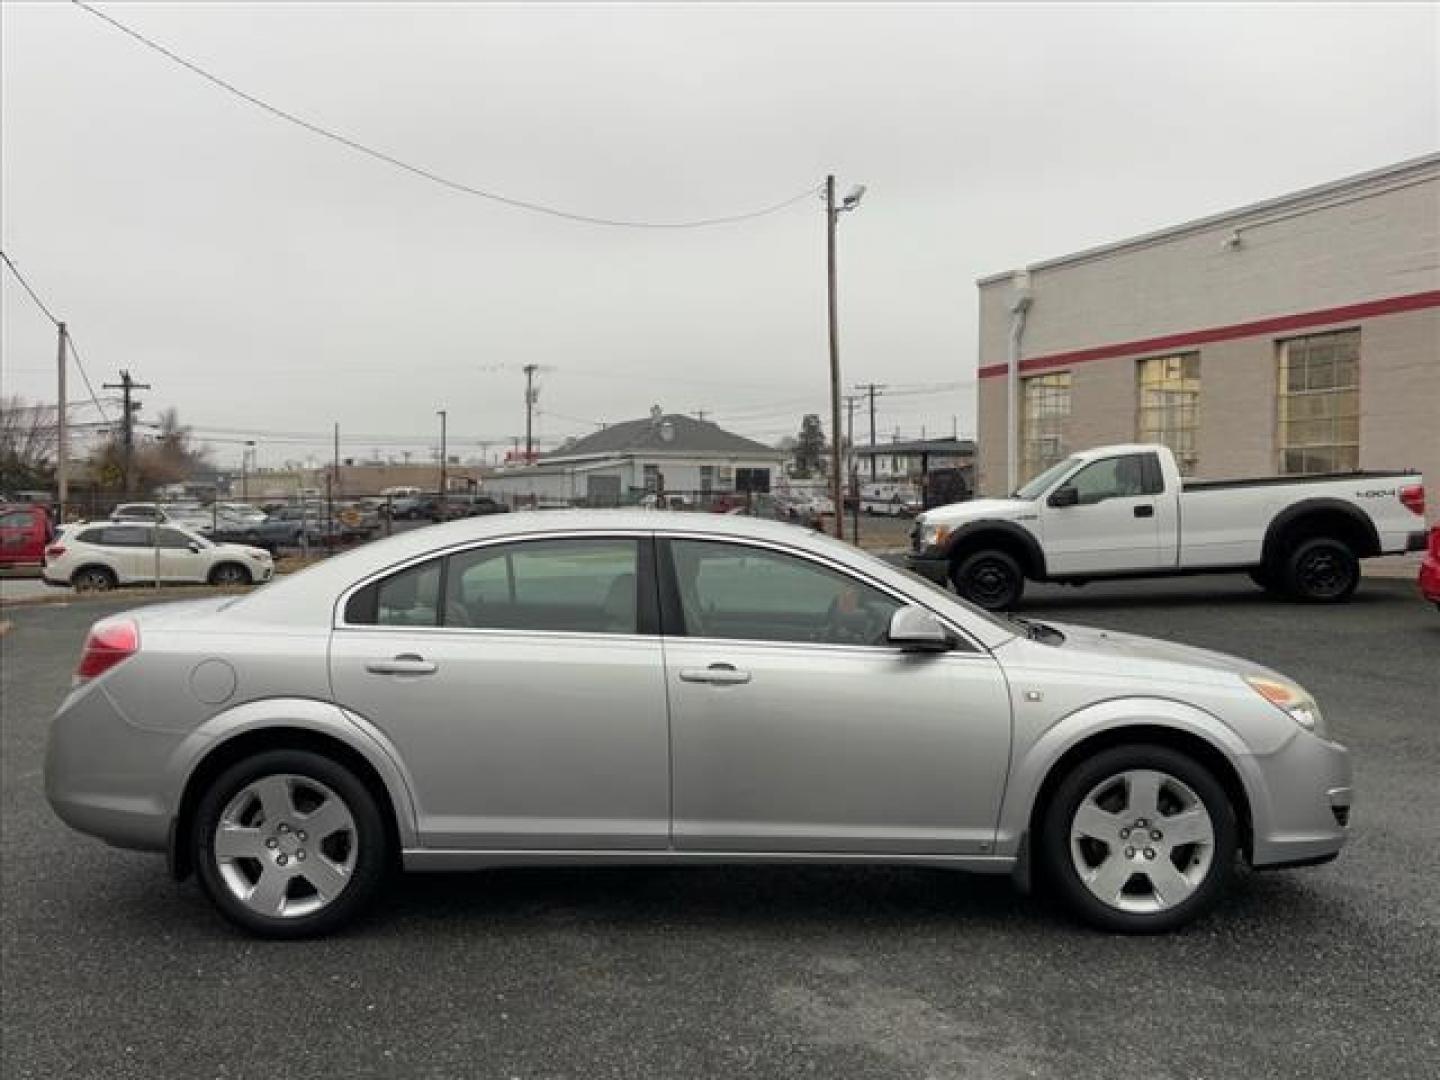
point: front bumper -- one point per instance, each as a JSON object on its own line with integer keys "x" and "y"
{"x": 1309, "y": 794}
{"x": 929, "y": 563}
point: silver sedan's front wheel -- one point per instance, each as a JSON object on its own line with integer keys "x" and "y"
{"x": 1142, "y": 841}
{"x": 1139, "y": 838}
{"x": 289, "y": 843}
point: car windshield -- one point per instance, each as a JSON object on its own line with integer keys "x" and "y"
{"x": 1035, "y": 488}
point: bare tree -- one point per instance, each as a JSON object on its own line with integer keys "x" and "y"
{"x": 170, "y": 456}
{"x": 28, "y": 440}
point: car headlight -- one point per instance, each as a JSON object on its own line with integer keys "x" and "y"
{"x": 933, "y": 534}
{"x": 1290, "y": 699}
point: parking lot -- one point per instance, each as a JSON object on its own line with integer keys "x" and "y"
{"x": 111, "y": 970}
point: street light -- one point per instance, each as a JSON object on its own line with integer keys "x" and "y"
{"x": 441, "y": 413}
{"x": 832, "y": 214}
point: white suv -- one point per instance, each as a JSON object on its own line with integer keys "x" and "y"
{"x": 104, "y": 555}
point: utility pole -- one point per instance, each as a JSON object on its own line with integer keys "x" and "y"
{"x": 441, "y": 414}
{"x": 831, "y": 215}
{"x": 245, "y": 470}
{"x": 128, "y": 386}
{"x": 330, "y": 493}
{"x": 62, "y": 454}
{"x": 851, "y": 400}
{"x": 873, "y": 390}
{"x": 700, "y": 414}
{"x": 530, "y": 398}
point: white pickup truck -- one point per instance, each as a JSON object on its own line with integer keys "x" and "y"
{"x": 1125, "y": 511}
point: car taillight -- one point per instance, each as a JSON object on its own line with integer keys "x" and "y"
{"x": 1413, "y": 497}
{"x": 54, "y": 551}
{"x": 110, "y": 642}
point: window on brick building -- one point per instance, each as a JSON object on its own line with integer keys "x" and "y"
{"x": 1170, "y": 406}
{"x": 1319, "y": 401}
{"x": 1043, "y": 414}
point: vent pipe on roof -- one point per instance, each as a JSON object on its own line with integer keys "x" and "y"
{"x": 1019, "y": 305}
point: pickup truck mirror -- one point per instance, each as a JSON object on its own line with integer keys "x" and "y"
{"x": 1064, "y": 495}
{"x": 195, "y": 548}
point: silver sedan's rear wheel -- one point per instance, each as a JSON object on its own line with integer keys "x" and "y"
{"x": 1139, "y": 839}
{"x": 289, "y": 843}
{"x": 286, "y": 846}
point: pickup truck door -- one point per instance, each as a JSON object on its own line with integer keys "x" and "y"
{"x": 1119, "y": 519}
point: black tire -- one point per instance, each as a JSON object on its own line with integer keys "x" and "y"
{"x": 1322, "y": 570}
{"x": 372, "y": 849}
{"x": 1266, "y": 579}
{"x": 93, "y": 579}
{"x": 230, "y": 575}
{"x": 1057, "y": 867}
{"x": 990, "y": 579}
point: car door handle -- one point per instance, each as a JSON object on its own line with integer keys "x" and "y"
{"x": 1144, "y": 511}
{"x": 404, "y": 664}
{"x": 719, "y": 674}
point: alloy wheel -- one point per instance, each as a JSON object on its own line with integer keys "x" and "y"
{"x": 1142, "y": 841}
{"x": 286, "y": 846}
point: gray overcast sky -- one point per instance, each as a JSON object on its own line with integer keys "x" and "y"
{"x": 264, "y": 279}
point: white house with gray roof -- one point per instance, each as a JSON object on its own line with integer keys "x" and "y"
{"x": 622, "y": 463}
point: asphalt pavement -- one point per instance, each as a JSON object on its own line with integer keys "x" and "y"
{"x": 111, "y": 970}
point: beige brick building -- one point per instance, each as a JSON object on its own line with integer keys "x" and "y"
{"x": 1297, "y": 335}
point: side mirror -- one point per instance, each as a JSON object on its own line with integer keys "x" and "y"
{"x": 916, "y": 630}
{"x": 195, "y": 548}
{"x": 1065, "y": 495}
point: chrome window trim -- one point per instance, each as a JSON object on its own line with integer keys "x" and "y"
{"x": 972, "y": 646}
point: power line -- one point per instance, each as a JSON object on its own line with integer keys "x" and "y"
{"x": 423, "y": 173}
{"x": 21, "y": 278}
{"x": 69, "y": 337}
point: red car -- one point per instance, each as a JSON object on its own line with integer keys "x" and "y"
{"x": 25, "y": 531}
{"x": 1430, "y": 569}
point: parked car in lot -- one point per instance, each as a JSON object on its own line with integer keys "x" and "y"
{"x": 25, "y": 531}
{"x": 620, "y": 687}
{"x": 1125, "y": 511}
{"x": 189, "y": 515}
{"x": 105, "y": 555}
{"x": 1430, "y": 569}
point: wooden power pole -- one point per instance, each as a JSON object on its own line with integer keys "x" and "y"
{"x": 62, "y": 450}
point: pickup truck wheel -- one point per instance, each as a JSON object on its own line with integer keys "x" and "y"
{"x": 1323, "y": 571}
{"x": 1139, "y": 839}
{"x": 1267, "y": 580}
{"x": 991, "y": 579}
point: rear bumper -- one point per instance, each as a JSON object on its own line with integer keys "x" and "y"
{"x": 103, "y": 775}
{"x": 1430, "y": 579}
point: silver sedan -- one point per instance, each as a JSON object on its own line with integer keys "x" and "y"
{"x": 607, "y": 688}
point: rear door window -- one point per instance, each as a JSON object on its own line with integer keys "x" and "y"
{"x": 579, "y": 585}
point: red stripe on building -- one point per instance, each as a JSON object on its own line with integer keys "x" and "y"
{"x": 1278, "y": 325}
